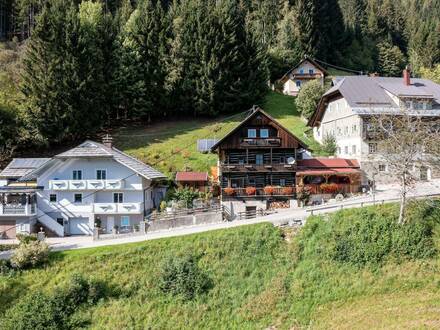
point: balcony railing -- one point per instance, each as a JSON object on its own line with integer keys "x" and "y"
{"x": 259, "y": 192}
{"x": 117, "y": 208}
{"x": 87, "y": 184}
{"x": 226, "y": 167}
{"x": 261, "y": 142}
{"x": 18, "y": 209}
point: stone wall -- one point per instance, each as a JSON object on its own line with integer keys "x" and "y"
{"x": 185, "y": 221}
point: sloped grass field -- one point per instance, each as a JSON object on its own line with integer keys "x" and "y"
{"x": 262, "y": 276}
{"x": 171, "y": 145}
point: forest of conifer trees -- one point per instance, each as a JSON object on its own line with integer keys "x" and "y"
{"x": 72, "y": 67}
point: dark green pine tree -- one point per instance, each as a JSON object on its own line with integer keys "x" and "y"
{"x": 47, "y": 74}
{"x": 321, "y": 29}
{"x": 142, "y": 69}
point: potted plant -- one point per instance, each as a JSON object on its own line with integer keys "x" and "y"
{"x": 229, "y": 191}
{"x": 269, "y": 190}
{"x": 287, "y": 190}
{"x": 329, "y": 188}
{"x": 250, "y": 191}
{"x": 115, "y": 229}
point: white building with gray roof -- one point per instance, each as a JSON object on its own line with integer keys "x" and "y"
{"x": 93, "y": 184}
{"x": 344, "y": 109}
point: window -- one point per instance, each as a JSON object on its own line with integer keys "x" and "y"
{"x": 77, "y": 175}
{"x": 125, "y": 221}
{"x": 101, "y": 174}
{"x": 346, "y": 149}
{"x": 372, "y": 148}
{"x": 77, "y": 198}
{"x": 301, "y": 71}
{"x": 346, "y": 130}
{"x": 264, "y": 133}
{"x": 259, "y": 159}
{"x": 251, "y": 182}
{"x": 382, "y": 168}
{"x": 338, "y": 150}
{"x": 118, "y": 197}
{"x": 408, "y": 104}
{"x": 252, "y": 133}
{"x": 418, "y": 105}
{"x": 311, "y": 71}
{"x": 354, "y": 128}
{"x": 282, "y": 182}
{"x": 428, "y": 105}
{"x": 53, "y": 198}
{"x": 60, "y": 221}
{"x": 298, "y": 83}
{"x": 353, "y": 150}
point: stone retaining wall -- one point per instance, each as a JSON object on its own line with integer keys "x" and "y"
{"x": 185, "y": 221}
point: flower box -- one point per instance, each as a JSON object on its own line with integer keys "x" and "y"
{"x": 250, "y": 191}
{"x": 287, "y": 190}
{"x": 269, "y": 190}
{"x": 229, "y": 191}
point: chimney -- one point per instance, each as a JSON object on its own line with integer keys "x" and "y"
{"x": 407, "y": 76}
{"x": 107, "y": 141}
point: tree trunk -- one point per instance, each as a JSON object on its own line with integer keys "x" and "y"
{"x": 402, "y": 200}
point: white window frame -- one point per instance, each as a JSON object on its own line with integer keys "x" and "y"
{"x": 346, "y": 150}
{"x": 261, "y": 157}
{"x": 74, "y": 201}
{"x": 264, "y": 130}
{"x": 77, "y": 172}
{"x": 253, "y": 131}
{"x": 119, "y": 194}
{"x": 298, "y": 83}
{"x": 103, "y": 170}
{"x": 311, "y": 71}
{"x": 126, "y": 217}
{"x": 353, "y": 149}
{"x": 384, "y": 166}
{"x": 371, "y": 146}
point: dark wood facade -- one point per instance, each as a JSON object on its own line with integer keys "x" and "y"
{"x": 260, "y": 154}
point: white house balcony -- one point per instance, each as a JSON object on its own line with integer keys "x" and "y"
{"x": 87, "y": 184}
{"x": 18, "y": 202}
{"x": 117, "y": 208}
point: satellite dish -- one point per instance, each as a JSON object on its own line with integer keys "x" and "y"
{"x": 290, "y": 160}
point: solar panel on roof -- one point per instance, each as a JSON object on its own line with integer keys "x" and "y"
{"x": 205, "y": 145}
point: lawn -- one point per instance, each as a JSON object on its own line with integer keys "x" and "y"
{"x": 260, "y": 279}
{"x": 171, "y": 145}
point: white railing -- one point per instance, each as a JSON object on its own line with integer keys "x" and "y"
{"x": 118, "y": 208}
{"x": 87, "y": 184}
{"x": 18, "y": 209}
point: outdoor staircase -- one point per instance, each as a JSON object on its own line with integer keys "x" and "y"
{"x": 50, "y": 223}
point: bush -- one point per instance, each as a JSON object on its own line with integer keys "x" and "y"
{"x": 181, "y": 276}
{"x": 368, "y": 236}
{"x": 185, "y": 195}
{"x": 42, "y": 311}
{"x": 308, "y": 98}
{"x": 30, "y": 254}
{"x": 26, "y": 238}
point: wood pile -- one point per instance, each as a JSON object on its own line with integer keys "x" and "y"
{"x": 279, "y": 205}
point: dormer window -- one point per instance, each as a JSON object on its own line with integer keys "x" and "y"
{"x": 264, "y": 133}
{"x": 252, "y": 133}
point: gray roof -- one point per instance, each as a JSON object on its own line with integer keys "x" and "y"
{"x": 19, "y": 167}
{"x": 362, "y": 91}
{"x": 92, "y": 149}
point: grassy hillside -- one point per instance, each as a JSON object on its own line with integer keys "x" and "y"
{"x": 172, "y": 145}
{"x": 261, "y": 277}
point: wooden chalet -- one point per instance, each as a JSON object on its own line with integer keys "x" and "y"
{"x": 257, "y": 162}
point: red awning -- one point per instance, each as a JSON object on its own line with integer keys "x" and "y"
{"x": 191, "y": 176}
{"x": 333, "y": 171}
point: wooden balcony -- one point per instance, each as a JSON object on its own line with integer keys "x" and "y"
{"x": 275, "y": 167}
{"x": 260, "y": 142}
{"x": 260, "y": 193}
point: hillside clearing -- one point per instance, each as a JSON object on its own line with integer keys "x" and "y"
{"x": 259, "y": 279}
{"x": 172, "y": 145}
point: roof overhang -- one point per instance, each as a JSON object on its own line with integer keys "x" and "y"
{"x": 320, "y": 109}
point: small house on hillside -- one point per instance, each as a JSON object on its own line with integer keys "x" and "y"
{"x": 300, "y": 74}
{"x": 195, "y": 180}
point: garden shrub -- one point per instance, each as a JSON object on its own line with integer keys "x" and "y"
{"x": 367, "y": 236}
{"x": 181, "y": 276}
{"x": 26, "y": 238}
{"x": 30, "y": 254}
{"x": 44, "y": 311}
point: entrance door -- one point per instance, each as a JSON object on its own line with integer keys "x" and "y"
{"x": 424, "y": 173}
{"x": 110, "y": 224}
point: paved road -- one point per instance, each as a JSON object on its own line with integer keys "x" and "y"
{"x": 385, "y": 193}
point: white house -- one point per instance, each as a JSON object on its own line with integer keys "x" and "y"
{"x": 72, "y": 192}
{"x": 305, "y": 71}
{"x": 344, "y": 109}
